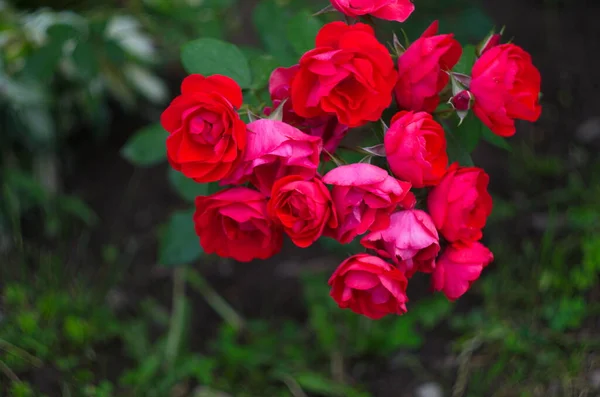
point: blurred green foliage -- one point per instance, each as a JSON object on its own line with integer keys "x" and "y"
{"x": 526, "y": 327}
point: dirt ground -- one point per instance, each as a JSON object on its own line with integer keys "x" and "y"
{"x": 563, "y": 41}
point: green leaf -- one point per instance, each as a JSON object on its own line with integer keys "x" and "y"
{"x": 208, "y": 56}
{"x": 316, "y": 383}
{"x": 85, "y": 60}
{"x": 468, "y": 58}
{"x": 270, "y": 19}
{"x": 494, "y": 139}
{"x": 187, "y": 188}
{"x": 456, "y": 151}
{"x": 469, "y": 132}
{"x": 262, "y": 65}
{"x": 302, "y": 30}
{"x": 179, "y": 245}
{"x": 147, "y": 147}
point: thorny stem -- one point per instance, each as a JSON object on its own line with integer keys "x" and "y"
{"x": 219, "y": 305}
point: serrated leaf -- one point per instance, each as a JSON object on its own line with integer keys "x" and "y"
{"x": 147, "y": 147}
{"x": 179, "y": 245}
{"x": 302, "y": 30}
{"x": 456, "y": 151}
{"x": 270, "y": 19}
{"x": 469, "y": 132}
{"x": 262, "y": 65}
{"x": 209, "y": 56}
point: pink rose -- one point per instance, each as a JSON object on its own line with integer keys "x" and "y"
{"x": 274, "y": 150}
{"x": 370, "y": 286}
{"x": 422, "y": 70}
{"x": 411, "y": 241}
{"x": 390, "y": 10}
{"x": 364, "y": 196}
{"x": 459, "y": 266}
{"x": 415, "y": 146}
{"x": 325, "y": 127}
{"x": 461, "y": 204}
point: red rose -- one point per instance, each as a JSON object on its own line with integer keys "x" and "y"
{"x": 411, "y": 241}
{"x": 349, "y": 74}
{"x": 233, "y": 223}
{"x": 276, "y": 149}
{"x": 390, "y": 10}
{"x": 325, "y": 127}
{"x": 506, "y": 86}
{"x": 422, "y": 70}
{"x": 370, "y": 286}
{"x": 415, "y": 146}
{"x": 364, "y": 196}
{"x": 461, "y": 204}
{"x": 303, "y": 208}
{"x": 459, "y": 265}
{"x": 207, "y": 138}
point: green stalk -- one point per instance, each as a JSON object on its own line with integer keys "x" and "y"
{"x": 219, "y": 305}
{"x": 177, "y": 323}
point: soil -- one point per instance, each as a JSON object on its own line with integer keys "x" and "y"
{"x": 131, "y": 202}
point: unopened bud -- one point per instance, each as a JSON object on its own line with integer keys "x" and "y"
{"x": 462, "y": 101}
{"x": 491, "y": 41}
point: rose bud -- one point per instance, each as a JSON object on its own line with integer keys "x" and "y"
{"x": 233, "y": 223}
{"x": 461, "y": 204}
{"x": 303, "y": 208}
{"x": 415, "y": 146}
{"x": 364, "y": 196}
{"x": 369, "y": 286}
{"x": 422, "y": 70}
{"x": 349, "y": 74}
{"x": 506, "y": 86}
{"x": 411, "y": 241}
{"x": 458, "y": 267}
{"x": 276, "y": 149}
{"x": 462, "y": 101}
{"x": 390, "y": 10}
{"x": 207, "y": 138}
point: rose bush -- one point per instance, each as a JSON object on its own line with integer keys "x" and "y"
{"x": 288, "y": 171}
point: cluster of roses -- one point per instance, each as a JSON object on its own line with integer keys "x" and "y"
{"x": 347, "y": 81}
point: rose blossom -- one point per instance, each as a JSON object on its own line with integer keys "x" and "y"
{"x": 461, "y": 204}
{"x": 411, "y": 241}
{"x": 422, "y": 70}
{"x": 276, "y": 149}
{"x": 370, "y": 286}
{"x": 349, "y": 74}
{"x": 458, "y": 267}
{"x": 390, "y": 10}
{"x": 364, "y": 196}
{"x": 415, "y": 146}
{"x": 325, "y": 127}
{"x": 233, "y": 223}
{"x": 207, "y": 138}
{"x": 303, "y": 208}
{"x": 506, "y": 86}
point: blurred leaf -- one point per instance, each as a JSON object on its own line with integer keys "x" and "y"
{"x": 465, "y": 64}
{"x": 494, "y": 139}
{"x": 39, "y": 126}
{"x": 114, "y": 52}
{"x": 469, "y": 132}
{"x": 77, "y": 207}
{"x": 316, "y": 383}
{"x": 147, "y": 147}
{"x": 211, "y": 56}
{"x": 187, "y": 188}
{"x": 271, "y": 19}
{"x": 262, "y": 66}
{"x": 456, "y": 151}
{"x": 85, "y": 60}
{"x": 42, "y": 63}
{"x": 179, "y": 245}
{"x": 302, "y": 30}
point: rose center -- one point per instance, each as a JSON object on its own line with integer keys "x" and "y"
{"x": 206, "y": 128}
